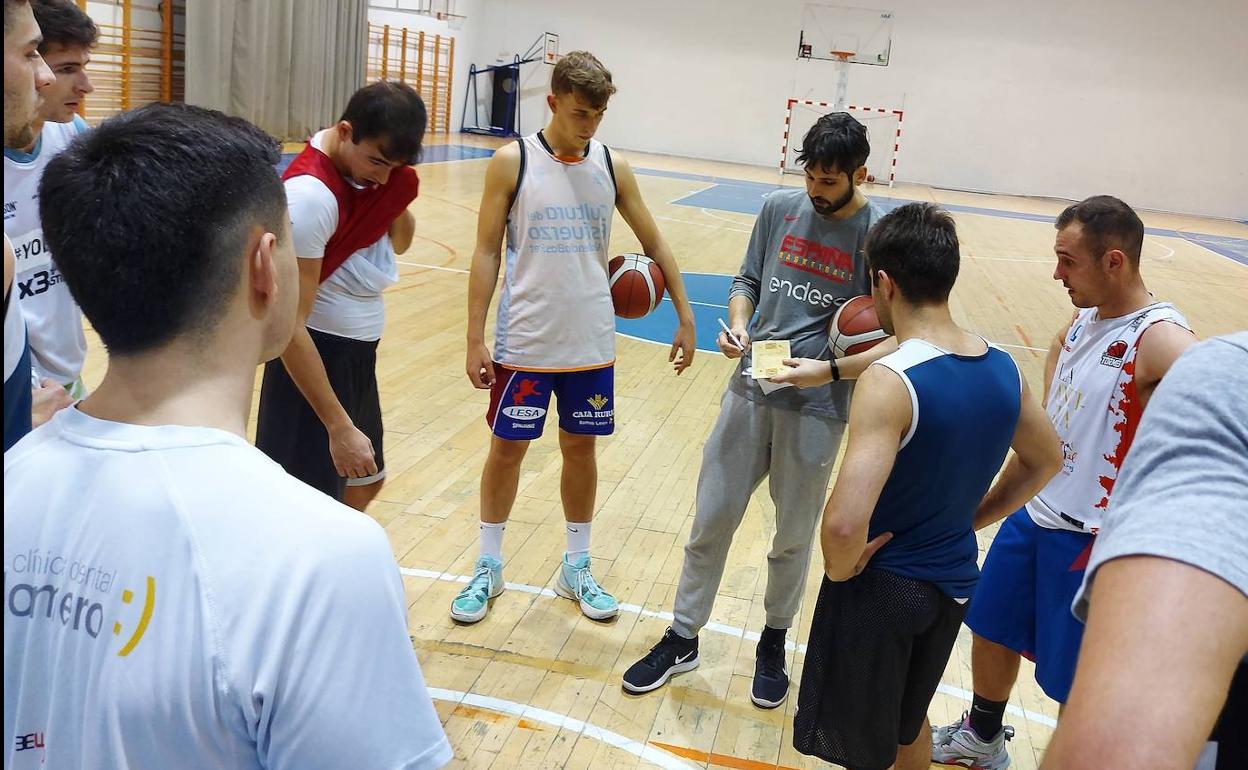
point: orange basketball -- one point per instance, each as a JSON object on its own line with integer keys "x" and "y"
{"x": 636, "y": 285}
{"x": 855, "y": 327}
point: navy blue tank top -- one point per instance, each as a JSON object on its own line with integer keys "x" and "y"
{"x": 17, "y": 381}
{"x": 964, "y": 413}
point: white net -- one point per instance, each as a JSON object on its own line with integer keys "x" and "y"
{"x": 882, "y": 130}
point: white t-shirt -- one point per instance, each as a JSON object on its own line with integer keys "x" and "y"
{"x": 185, "y": 603}
{"x": 348, "y": 303}
{"x": 58, "y": 346}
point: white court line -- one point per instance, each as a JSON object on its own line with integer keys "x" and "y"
{"x": 562, "y": 722}
{"x": 432, "y": 267}
{"x": 1023, "y": 347}
{"x": 1164, "y": 246}
{"x": 692, "y": 302}
{"x": 720, "y": 628}
{"x": 704, "y": 224}
{"x": 721, "y": 219}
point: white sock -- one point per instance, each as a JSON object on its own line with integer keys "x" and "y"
{"x": 492, "y": 539}
{"x": 578, "y": 540}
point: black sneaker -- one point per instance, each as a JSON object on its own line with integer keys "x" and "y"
{"x": 771, "y": 679}
{"x": 672, "y": 655}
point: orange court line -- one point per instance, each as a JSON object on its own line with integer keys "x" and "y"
{"x": 472, "y": 712}
{"x": 1023, "y": 335}
{"x": 720, "y": 760}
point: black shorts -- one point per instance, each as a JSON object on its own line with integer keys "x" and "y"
{"x": 1229, "y": 731}
{"x": 287, "y": 429}
{"x": 878, "y": 646}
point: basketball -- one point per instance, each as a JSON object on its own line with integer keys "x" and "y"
{"x": 636, "y": 285}
{"x": 855, "y": 327}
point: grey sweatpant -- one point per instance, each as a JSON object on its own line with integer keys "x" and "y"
{"x": 750, "y": 441}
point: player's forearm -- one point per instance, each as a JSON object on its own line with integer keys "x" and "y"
{"x": 842, "y": 547}
{"x": 481, "y": 281}
{"x": 740, "y": 311}
{"x": 842, "y": 537}
{"x": 1162, "y": 642}
{"x": 303, "y": 361}
{"x": 852, "y": 367}
{"x": 666, "y": 261}
{"x": 402, "y": 231}
{"x": 1019, "y": 482}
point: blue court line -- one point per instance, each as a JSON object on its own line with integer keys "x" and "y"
{"x": 708, "y": 296}
{"x": 768, "y": 186}
{"x": 748, "y": 199}
{"x": 441, "y": 153}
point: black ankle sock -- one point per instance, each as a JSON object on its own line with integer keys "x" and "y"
{"x": 986, "y": 716}
{"x": 684, "y": 640}
{"x": 772, "y": 636}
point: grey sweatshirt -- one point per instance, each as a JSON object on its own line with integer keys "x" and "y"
{"x": 798, "y": 268}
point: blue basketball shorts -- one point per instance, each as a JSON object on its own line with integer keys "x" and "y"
{"x": 520, "y": 399}
{"x": 1023, "y": 598}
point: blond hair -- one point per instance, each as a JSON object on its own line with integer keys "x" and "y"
{"x": 580, "y": 71}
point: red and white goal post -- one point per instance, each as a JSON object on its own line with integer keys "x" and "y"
{"x": 883, "y": 129}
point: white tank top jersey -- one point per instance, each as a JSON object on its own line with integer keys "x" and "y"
{"x": 1095, "y": 409}
{"x": 58, "y": 346}
{"x": 555, "y": 313}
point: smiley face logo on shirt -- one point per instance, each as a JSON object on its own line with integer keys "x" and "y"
{"x": 145, "y": 617}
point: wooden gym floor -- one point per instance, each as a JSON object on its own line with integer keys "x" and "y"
{"x": 536, "y": 684}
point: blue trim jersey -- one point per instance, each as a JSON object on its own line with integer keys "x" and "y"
{"x": 17, "y": 396}
{"x": 964, "y": 412}
{"x": 58, "y": 346}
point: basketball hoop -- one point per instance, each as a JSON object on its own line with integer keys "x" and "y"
{"x": 453, "y": 20}
{"x": 842, "y": 77}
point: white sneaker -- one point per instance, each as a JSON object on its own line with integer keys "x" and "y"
{"x": 958, "y": 745}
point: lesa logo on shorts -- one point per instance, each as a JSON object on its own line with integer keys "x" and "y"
{"x": 518, "y": 410}
{"x": 1115, "y": 354}
{"x": 524, "y": 412}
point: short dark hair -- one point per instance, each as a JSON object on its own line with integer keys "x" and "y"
{"x": 393, "y": 112}
{"x": 917, "y": 245}
{"x": 63, "y": 22}
{"x": 580, "y": 72}
{"x": 836, "y": 141}
{"x": 1107, "y": 223}
{"x": 149, "y": 214}
{"x": 10, "y": 6}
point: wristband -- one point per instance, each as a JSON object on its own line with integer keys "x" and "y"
{"x": 836, "y": 370}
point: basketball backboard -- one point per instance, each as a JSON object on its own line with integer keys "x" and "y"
{"x": 552, "y": 48}
{"x": 865, "y": 33}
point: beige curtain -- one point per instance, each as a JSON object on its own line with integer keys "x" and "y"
{"x": 288, "y": 66}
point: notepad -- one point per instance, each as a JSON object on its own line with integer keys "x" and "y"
{"x": 768, "y": 357}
